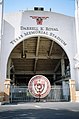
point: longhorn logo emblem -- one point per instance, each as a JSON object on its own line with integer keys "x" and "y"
{"x": 39, "y": 20}
{"x": 39, "y": 86}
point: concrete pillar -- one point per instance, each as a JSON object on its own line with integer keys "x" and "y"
{"x": 77, "y": 79}
{"x": 72, "y": 90}
{"x": 77, "y": 23}
{"x": 77, "y": 96}
{"x": 65, "y": 86}
{"x": 7, "y": 90}
{"x": 62, "y": 67}
{"x": 63, "y": 74}
{"x": 77, "y": 43}
{"x": 8, "y": 68}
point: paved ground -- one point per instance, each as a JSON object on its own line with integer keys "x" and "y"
{"x": 47, "y": 110}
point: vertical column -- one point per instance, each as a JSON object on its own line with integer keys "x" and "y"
{"x": 77, "y": 23}
{"x": 77, "y": 43}
{"x": 8, "y": 69}
{"x": 1, "y": 17}
{"x": 1, "y": 34}
{"x": 62, "y": 67}
{"x": 7, "y": 90}
{"x": 63, "y": 74}
{"x": 72, "y": 90}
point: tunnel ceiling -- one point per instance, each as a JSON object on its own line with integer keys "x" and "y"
{"x": 37, "y": 55}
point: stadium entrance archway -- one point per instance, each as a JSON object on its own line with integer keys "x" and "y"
{"x": 38, "y": 56}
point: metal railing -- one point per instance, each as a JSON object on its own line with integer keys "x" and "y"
{"x": 22, "y": 94}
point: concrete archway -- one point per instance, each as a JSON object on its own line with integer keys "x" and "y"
{"x": 38, "y": 55}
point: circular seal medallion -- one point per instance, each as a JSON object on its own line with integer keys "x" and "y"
{"x": 39, "y": 86}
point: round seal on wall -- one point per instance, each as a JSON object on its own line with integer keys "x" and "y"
{"x": 39, "y": 86}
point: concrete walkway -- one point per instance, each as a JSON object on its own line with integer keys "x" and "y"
{"x": 47, "y": 110}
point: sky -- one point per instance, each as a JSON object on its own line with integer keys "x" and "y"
{"x": 66, "y": 7}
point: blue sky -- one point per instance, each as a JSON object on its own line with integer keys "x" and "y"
{"x": 61, "y": 6}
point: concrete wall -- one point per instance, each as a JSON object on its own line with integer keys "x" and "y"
{"x": 57, "y": 27}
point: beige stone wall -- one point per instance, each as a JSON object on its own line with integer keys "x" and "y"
{"x": 74, "y": 95}
{"x": 7, "y": 90}
{"x": 1, "y": 96}
{"x": 4, "y": 96}
{"x": 77, "y": 96}
{"x": 72, "y": 90}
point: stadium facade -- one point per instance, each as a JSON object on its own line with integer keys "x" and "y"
{"x": 38, "y": 42}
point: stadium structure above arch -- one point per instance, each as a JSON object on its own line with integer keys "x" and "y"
{"x": 38, "y": 42}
